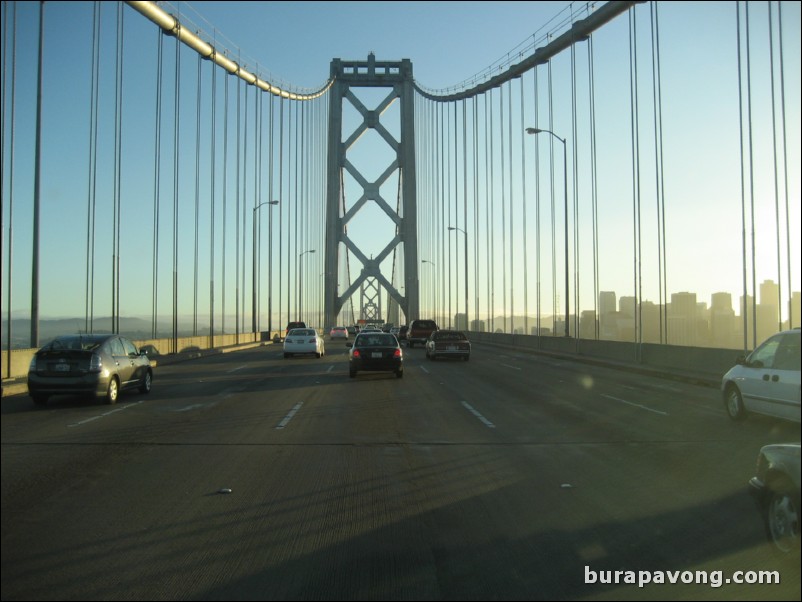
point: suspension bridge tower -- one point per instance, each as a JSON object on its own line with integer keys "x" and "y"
{"x": 396, "y": 76}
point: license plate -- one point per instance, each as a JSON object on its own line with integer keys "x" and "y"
{"x": 62, "y": 368}
{"x": 376, "y": 355}
{"x": 452, "y": 348}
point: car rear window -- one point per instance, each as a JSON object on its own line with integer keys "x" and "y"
{"x": 377, "y": 340}
{"x": 425, "y": 325}
{"x": 449, "y": 336}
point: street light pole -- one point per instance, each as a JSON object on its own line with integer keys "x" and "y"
{"x": 253, "y": 284}
{"x": 301, "y": 282}
{"x": 565, "y": 190}
{"x": 467, "y": 324}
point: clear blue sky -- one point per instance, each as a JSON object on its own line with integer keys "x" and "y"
{"x": 447, "y": 43}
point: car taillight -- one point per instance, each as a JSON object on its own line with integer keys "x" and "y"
{"x": 397, "y": 353}
{"x": 356, "y": 353}
{"x": 313, "y": 340}
{"x": 32, "y": 367}
{"x": 95, "y": 363}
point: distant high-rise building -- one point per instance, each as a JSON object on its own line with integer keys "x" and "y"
{"x": 723, "y": 330}
{"x": 769, "y": 314}
{"x": 626, "y": 305}
{"x": 793, "y": 310}
{"x": 682, "y": 319}
{"x": 607, "y": 311}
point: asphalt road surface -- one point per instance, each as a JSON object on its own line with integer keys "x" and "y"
{"x": 247, "y": 476}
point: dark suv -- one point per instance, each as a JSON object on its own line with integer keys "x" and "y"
{"x": 292, "y": 325}
{"x": 419, "y": 331}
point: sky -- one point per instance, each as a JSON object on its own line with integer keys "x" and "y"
{"x": 293, "y": 43}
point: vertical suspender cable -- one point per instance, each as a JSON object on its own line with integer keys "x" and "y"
{"x": 554, "y": 301}
{"x": 594, "y": 189}
{"x": 633, "y": 66}
{"x": 37, "y": 183}
{"x": 237, "y": 212}
{"x": 243, "y": 173}
{"x": 575, "y": 158}
{"x": 743, "y": 177}
{"x": 465, "y": 203}
{"x": 511, "y": 217}
{"x": 476, "y": 210}
{"x": 117, "y": 172}
{"x": 13, "y": 115}
{"x": 271, "y": 140}
{"x": 751, "y": 176}
{"x": 92, "y": 197}
{"x": 157, "y": 186}
{"x": 197, "y": 194}
{"x": 223, "y": 283}
{"x": 776, "y": 176}
{"x": 523, "y": 213}
{"x": 536, "y": 120}
{"x": 212, "y": 170}
{"x": 176, "y": 138}
{"x": 503, "y": 209}
{"x": 660, "y": 179}
{"x": 785, "y": 163}
{"x": 491, "y": 305}
{"x": 281, "y": 204}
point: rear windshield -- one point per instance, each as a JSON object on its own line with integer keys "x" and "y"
{"x": 376, "y": 340}
{"x": 299, "y": 332}
{"x": 445, "y": 335}
{"x": 76, "y": 343}
{"x": 425, "y": 325}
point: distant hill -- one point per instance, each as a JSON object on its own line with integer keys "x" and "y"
{"x": 133, "y": 328}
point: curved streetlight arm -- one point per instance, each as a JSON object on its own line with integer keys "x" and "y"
{"x": 565, "y": 188}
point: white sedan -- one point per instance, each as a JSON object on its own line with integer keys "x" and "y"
{"x": 339, "y": 332}
{"x": 303, "y": 341}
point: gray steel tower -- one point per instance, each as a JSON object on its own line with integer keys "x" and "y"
{"x": 397, "y": 76}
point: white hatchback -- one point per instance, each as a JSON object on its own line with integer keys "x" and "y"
{"x": 767, "y": 381}
{"x": 303, "y": 341}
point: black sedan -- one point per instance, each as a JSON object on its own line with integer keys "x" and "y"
{"x": 100, "y": 365}
{"x": 375, "y": 352}
{"x": 775, "y": 488}
{"x": 448, "y": 343}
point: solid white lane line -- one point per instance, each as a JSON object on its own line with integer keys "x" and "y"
{"x": 109, "y": 413}
{"x": 513, "y": 367}
{"x": 637, "y": 405}
{"x": 484, "y": 420}
{"x": 289, "y": 416}
{"x": 235, "y": 369}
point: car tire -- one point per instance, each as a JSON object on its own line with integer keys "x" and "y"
{"x": 734, "y": 403}
{"x": 147, "y": 382}
{"x": 782, "y": 517}
{"x": 40, "y": 399}
{"x": 399, "y": 374}
{"x": 318, "y": 355}
{"x": 352, "y": 373}
{"x": 113, "y": 392}
{"x": 286, "y": 355}
{"x": 467, "y": 357}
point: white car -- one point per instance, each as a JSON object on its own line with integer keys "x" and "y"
{"x": 300, "y": 341}
{"x": 338, "y": 332}
{"x": 767, "y": 381}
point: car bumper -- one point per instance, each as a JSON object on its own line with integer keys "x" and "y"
{"x": 377, "y": 365}
{"x": 94, "y": 384}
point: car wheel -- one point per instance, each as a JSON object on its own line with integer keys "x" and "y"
{"x": 734, "y": 403}
{"x": 318, "y": 355}
{"x": 782, "y": 517}
{"x": 399, "y": 374}
{"x": 286, "y": 355}
{"x": 467, "y": 357}
{"x": 39, "y": 399}
{"x": 113, "y": 391}
{"x": 352, "y": 373}
{"x": 146, "y": 383}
